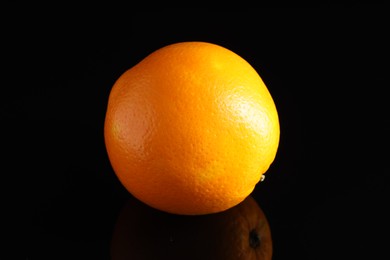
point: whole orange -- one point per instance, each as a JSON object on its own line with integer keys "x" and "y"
{"x": 191, "y": 128}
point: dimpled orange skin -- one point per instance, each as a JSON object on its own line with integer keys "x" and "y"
{"x": 191, "y": 128}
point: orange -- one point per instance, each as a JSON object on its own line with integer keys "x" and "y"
{"x": 191, "y": 128}
{"x": 241, "y": 232}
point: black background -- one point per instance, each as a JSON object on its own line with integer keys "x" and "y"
{"x": 324, "y": 195}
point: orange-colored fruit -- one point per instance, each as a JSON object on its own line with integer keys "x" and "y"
{"x": 241, "y": 232}
{"x": 191, "y": 128}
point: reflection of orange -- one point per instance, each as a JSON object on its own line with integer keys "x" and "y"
{"x": 191, "y": 128}
{"x": 141, "y": 232}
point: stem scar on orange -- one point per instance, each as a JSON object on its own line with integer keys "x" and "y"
{"x": 191, "y": 128}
